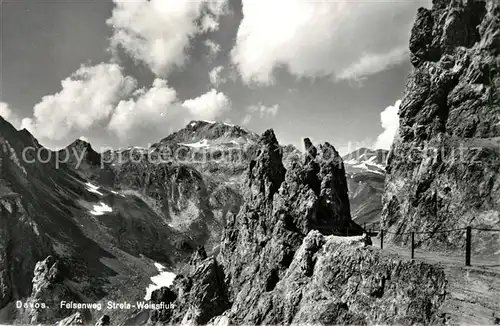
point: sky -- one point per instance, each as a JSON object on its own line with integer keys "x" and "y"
{"x": 128, "y": 73}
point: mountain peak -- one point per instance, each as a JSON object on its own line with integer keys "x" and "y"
{"x": 6, "y": 127}
{"x": 79, "y": 143}
{"x": 203, "y": 131}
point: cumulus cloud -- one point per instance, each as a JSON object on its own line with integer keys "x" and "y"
{"x": 87, "y": 97}
{"x": 155, "y": 110}
{"x": 103, "y": 96}
{"x": 213, "y": 48}
{"x": 150, "y": 109}
{"x": 261, "y": 111}
{"x": 390, "y": 122}
{"x": 208, "y": 106}
{"x": 7, "y": 113}
{"x": 216, "y": 77}
{"x": 345, "y": 39}
{"x": 157, "y": 32}
{"x": 246, "y": 119}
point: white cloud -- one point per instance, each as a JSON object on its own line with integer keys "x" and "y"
{"x": 213, "y": 48}
{"x": 87, "y": 97}
{"x": 7, "y": 113}
{"x": 372, "y": 64}
{"x": 157, "y": 110}
{"x": 264, "y": 111}
{"x": 157, "y": 32}
{"x": 216, "y": 77}
{"x": 246, "y": 119}
{"x": 103, "y": 96}
{"x": 346, "y": 39}
{"x": 261, "y": 111}
{"x": 150, "y": 109}
{"x": 390, "y": 122}
{"x": 208, "y": 106}
{"x": 5, "y": 110}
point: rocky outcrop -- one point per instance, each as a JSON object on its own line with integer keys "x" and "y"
{"x": 80, "y": 156}
{"x": 49, "y": 290}
{"x": 190, "y": 178}
{"x": 48, "y": 208}
{"x": 73, "y": 320}
{"x": 444, "y": 164}
{"x": 103, "y": 321}
{"x": 279, "y": 263}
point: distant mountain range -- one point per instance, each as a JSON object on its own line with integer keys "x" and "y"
{"x": 158, "y": 203}
{"x": 365, "y": 169}
{"x": 231, "y": 227}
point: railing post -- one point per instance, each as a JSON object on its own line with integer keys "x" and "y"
{"x": 412, "y": 245}
{"x": 468, "y": 235}
{"x": 381, "y": 239}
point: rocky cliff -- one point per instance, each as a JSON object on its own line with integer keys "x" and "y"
{"x": 285, "y": 259}
{"x": 443, "y": 169}
{"x": 47, "y": 208}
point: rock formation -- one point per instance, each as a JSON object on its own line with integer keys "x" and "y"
{"x": 74, "y": 320}
{"x": 443, "y": 169}
{"x": 47, "y": 208}
{"x": 279, "y": 264}
{"x": 103, "y": 321}
{"x": 49, "y": 289}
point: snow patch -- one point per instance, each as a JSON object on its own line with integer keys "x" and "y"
{"x": 159, "y": 267}
{"x": 361, "y": 166}
{"x": 117, "y": 193}
{"x": 35, "y": 228}
{"x": 93, "y": 188}
{"x": 370, "y": 167}
{"x": 101, "y": 209}
{"x": 163, "y": 279}
{"x": 200, "y": 144}
{"x": 351, "y": 162}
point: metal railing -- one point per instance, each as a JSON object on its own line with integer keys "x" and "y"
{"x": 468, "y": 238}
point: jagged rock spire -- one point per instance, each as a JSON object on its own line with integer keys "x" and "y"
{"x": 266, "y": 172}
{"x": 275, "y": 266}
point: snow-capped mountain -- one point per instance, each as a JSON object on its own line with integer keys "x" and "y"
{"x": 365, "y": 172}
{"x": 72, "y": 236}
{"x": 366, "y": 160}
{"x": 202, "y": 134}
{"x": 123, "y": 211}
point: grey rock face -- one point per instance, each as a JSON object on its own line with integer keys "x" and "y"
{"x": 444, "y": 164}
{"x": 80, "y": 156}
{"x": 48, "y": 210}
{"x": 103, "y": 321}
{"x": 73, "y": 320}
{"x": 49, "y": 288}
{"x": 277, "y": 266}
